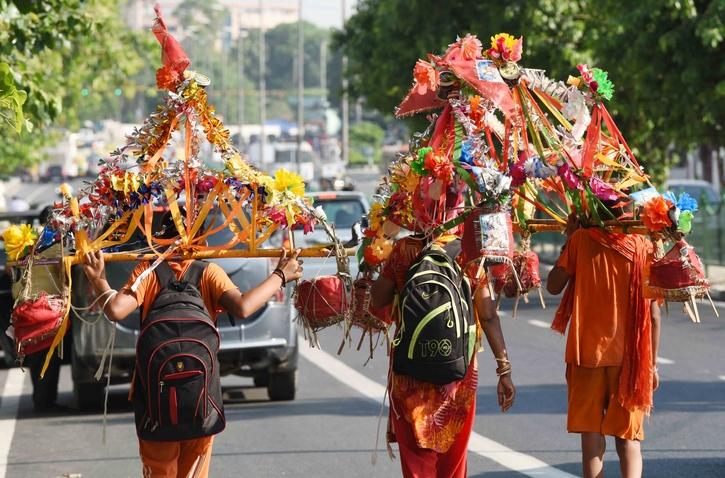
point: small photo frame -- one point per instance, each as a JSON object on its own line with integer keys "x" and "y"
{"x": 487, "y": 71}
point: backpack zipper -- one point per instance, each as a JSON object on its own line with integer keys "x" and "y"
{"x": 460, "y": 296}
{"x": 428, "y": 317}
{"x": 455, "y": 311}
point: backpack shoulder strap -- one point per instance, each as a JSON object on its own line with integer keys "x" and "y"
{"x": 195, "y": 271}
{"x": 164, "y": 274}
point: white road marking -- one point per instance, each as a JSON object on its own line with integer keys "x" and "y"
{"x": 479, "y": 444}
{"x": 540, "y": 323}
{"x": 665, "y": 361}
{"x": 721, "y": 377}
{"x": 12, "y": 392}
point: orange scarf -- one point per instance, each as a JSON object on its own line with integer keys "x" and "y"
{"x": 635, "y": 379}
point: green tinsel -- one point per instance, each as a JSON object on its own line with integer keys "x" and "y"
{"x": 606, "y": 87}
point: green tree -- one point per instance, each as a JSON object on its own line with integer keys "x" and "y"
{"x": 663, "y": 56}
{"x": 71, "y": 58}
{"x": 366, "y": 140}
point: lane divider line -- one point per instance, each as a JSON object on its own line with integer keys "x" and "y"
{"x": 721, "y": 377}
{"x": 12, "y": 391}
{"x": 478, "y": 444}
{"x": 665, "y": 361}
{"x": 540, "y": 323}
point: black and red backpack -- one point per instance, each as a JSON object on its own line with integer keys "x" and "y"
{"x": 177, "y": 389}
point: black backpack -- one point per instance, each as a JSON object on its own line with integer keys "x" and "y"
{"x": 177, "y": 389}
{"x": 437, "y": 330}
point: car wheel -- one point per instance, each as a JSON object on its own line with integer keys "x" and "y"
{"x": 261, "y": 380}
{"x": 282, "y": 386}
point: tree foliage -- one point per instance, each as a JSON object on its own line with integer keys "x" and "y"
{"x": 70, "y": 58}
{"x": 663, "y": 56}
{"x": 366, "y": 139}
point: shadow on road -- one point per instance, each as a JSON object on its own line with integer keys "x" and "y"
{"x": 661, "y": 468}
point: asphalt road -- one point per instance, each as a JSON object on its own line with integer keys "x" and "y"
{"x": 330, "y": 429}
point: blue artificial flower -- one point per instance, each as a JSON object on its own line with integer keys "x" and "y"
{"x": 47, "y": 237}
{"x": 466, "y": 153}
{"x": 670, "y": 196}
{"x": 686, "y": 203}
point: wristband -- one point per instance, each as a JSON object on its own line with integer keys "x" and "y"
{"x": 279, "y": 273}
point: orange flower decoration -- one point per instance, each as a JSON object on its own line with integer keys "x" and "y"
{"x": 656, "y": 214}
{"x": 426, "y": 77}
{"x": 471, "y": 47}
{"x": 476, "y": 111}
{"x": 167, "y": 78}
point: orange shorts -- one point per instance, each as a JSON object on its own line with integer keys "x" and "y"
{"x": 593, "y": 405}
{"x": 176, "y": 459}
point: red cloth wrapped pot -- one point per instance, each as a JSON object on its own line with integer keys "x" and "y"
{"x": 36, "y": 322}
{"x": 679, "y": 274}
{"x": 526, "y": 265}
{"x": 322, "y": 301}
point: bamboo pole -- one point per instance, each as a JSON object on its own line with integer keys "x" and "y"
{"x": 552, "y": 225}
{"x": 225, "y": 254}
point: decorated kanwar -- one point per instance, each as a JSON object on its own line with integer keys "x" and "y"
{"x": 508, "y": 153}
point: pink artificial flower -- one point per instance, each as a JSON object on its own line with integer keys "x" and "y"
{"x": 518, "y": 174}
{"x": 568, "y": 176}
{"x": 470, "y": 47}
{"x": 206, "y": 184}
{"x": 602, "y": 190}
{"x": 278, "y": 215}
{"x": 426, "y": 77}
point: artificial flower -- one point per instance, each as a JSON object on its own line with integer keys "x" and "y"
{"x": 505, "y": 47}
{"x": 466, "y": 157}
{"x": 470, "y": 47}
{"x": 517, "y": 173}
{"x": 426, "y": 77}
{"x": 17, "y": 239}
{"x": 686, "y": 203}
{"x": 567, "y": 175}
{"x": 602, "y": 190}
{"x": 125, "y": 182}
{"x": 375, "y": 216}
{"x": 655, "y": 213}
{"x": 418, "y": 164}
{"x": 684, "y": 223}
{"x": 439, "y": 166}
{"x": 167, "y": 78}
{"x": 287, "y": 181}
{"x": 604, "y": 86}
{"x": 381, "y": 248}
{"x": 477, "y": 112}
{"x": 206, "y": 184}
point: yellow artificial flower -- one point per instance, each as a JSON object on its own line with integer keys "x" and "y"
{"x": 508, "y": 40}
{"x": 267, "y": 182}
{"x": 17, "y": 239}
{"x": 127, "y": 183}
{"x": 376, "y": 216}
{"x": 285, "y": 180}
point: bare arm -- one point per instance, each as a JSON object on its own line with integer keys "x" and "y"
{"x": 486, "y": 309}
{"x": 382, "y": 292}
{"x": 655, "y": 312}
{"x": 556, "y": 281}
{"x": 120, "y": 304}
{"x": 244, "y": 304}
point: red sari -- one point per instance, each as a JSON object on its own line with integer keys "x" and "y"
{"x": 431, "y": 423}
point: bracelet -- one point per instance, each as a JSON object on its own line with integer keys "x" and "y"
{"x": 280, "y": 273}
{"x": 503, "y": 370}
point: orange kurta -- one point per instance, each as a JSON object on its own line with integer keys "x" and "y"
{"x": 600, "y": 311}
{"x": 436, "y": 413}
{"x": 188, "y": 457}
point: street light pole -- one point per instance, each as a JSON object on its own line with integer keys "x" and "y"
{"x": 240, "y": 65}
{"x": 300, "y": 86}
{"x": 262, "y": 85}
{"x": 344, "y": 100}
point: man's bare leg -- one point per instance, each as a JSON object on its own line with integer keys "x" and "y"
{"x": 630, "y": 457}
{"x": 593, "y": 446}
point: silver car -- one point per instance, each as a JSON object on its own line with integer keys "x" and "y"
{"x": 262, "y": 346}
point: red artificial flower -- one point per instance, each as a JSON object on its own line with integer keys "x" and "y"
{"x": 439, "y": 166}
{"x": 426, "y": 77}
{"x": 167, "y": 78}
{"x": 206, "y": 184}
{"x": 505, "y": 47}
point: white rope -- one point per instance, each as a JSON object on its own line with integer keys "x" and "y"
{"x": 108, "y": 379}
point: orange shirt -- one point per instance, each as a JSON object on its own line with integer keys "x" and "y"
{"x": 601, "y": 301}
{"x": 214, "y": 283}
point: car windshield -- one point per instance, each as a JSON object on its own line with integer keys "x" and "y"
{"x": 698, "y": 192}
{"x": 342, "y": 212}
